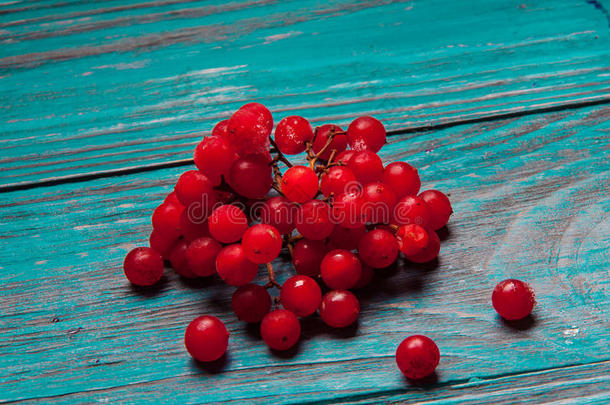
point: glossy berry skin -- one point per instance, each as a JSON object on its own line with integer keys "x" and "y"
{"x": 249, "y": 128}
{"x": 430, "y": 252}
{"x": 221, "y": 129}
{"x": 378, "y": 248}
{"x": 143, "y": 266}
{"x": 194, "y": 228}
{"x": 402, "y": 177}
{"x": 366, "y": 133}
{"x": 206, "y": 338}
{"x": 194, "y": 187}
{"x": 214, "y": 158}
{"x": 250, "y": 176}
{"x": 178, "y": 260}
{"x": 367, "y": 276}
{"x": 366, "y": 166}
{"x": 292, "y": 133}
{"x": 340, "y": 269}
{"x": 440, "y": 208}
{"x": 339, "y": 308}
{"x": 314, "y": 220}
{"x": 161, "y": 244}
{"x": 280, "y": 329}
{"x": 280, "y": 213}
{"x": 348, "y": 210}
{"x": 412, "y": 239}
{"x": 262, "y": 243}
{"x": 338, "y": 180}
{"x": 251, "y": 303}
{"x": 299, "y": 184}
{"x": 379, "y": 202}
{"x": 344, "y": 157}
{"x": 338, "y": 144}
{"x": 346, "y": 238}
{"x": 301, "y": 295}
{"x": 227, "y": 223}
{"x": 307, "y": 256}
{"x": 411, "y": 210}
{"x": 201, "y": 256}
{"x": 234, "y": 267}
{"x": 513, "y": 299}
{"x": 166, "y": 220}
{"x": 417, "y": 357}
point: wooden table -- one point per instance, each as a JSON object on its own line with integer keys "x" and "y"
{"x": 505, "y": 104}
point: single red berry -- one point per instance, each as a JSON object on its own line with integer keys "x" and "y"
{"x": 338, "y": 180}
{"x": 412, "y": 239}
{"x": 251, "y": 303}
{"x": 221, "y": 129}
{"x": 379, "y": 202}
{"x": 178, "y": 260}
{"x": 339, "y": 308}
{"x": 143, "y": 266}
{"x": 366, "y": 133}
{"x": 201, "y": 256}
{"x": 249, "y": 128}
{"x": 307, "y": 256}
{"x": 348, "y": 210}
{"x": 314, "y": 220}
{"x": 430, "y": 252}
{"x": 206, "y": 338}
{"x": 417, "y": 357}
{"x": 321, "y": 136}
{"x": 280, "y": 213}
{"x": 250, "y": 176}
{"x": 411, "y": 210}
{"x": 378, "y": 248}
{"x": 214, "y": 158}
{"x": 402, "y": 177}
{"x": 193, "y": 228}
{"x": 301, "y": 295}
{"x": 160, "y": 244}
{"x": 366, "y": 166}
{"x": 513, "y": 299}
{"x": 340, "y": 269}
{"x": 299, "y": 184}
{"x": 262, "y": 243}
{"x": 166, "y": 220}
{"x": 195, "y": 188}
{"x": 227, "y": 223}
{"x": 440, "y": 208}
{"x": 280, "y": 329}
{"x": 292, "y": 133}
{"x": 344, "y": 157}
{"x": 234, "y": 267}
{"x": 367, "y": 276}
{"x": 346, "y": 238}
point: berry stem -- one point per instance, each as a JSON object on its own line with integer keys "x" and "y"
{"x": 279, "y": 155}
{"x": 271, "y": 283}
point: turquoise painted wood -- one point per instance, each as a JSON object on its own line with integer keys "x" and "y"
{"x": 530, "y": 199}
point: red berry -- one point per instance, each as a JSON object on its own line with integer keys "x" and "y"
{"x": 411, "y": 210}
{"x": 214, "y": 157}
{"x": 345, "y": 156}
{"x": 251, "y": 303}
{"x": 280, "y": 213}
{"x": 322, "y": 134}
{"x": 339, "y": 308}
{"x": 195, "y": 188}
{"x": 206, "y": 338}
{"x": 234, "y": 267}
{"x": 430, "y": 252}
{"x": 193, "y": 228}
{"x": 366, "y": 166}
{"x": 300, "y": 184}
{"x": 379, "y": 202}
{"x": 250, "y": 176}
{"x": 338, "y": 180}
{"x": 160, "y": 244}
{"x": 348, "y": 210}
{"x": 346, "y": 238}
{"x": 166, "y": 220}
{"x": 366, "y": 133}
{"x": 143, "y": 266}
{"x": 378, "y": 248}
{"x": 201, "y": 256}
{"x": 178, "y": 260}
{"x": 292, "y": 133}
{"x": 417, "y": 357}
{"x": 340, "y": 269}
{"x": 402, "y": 177}
{"x": 227, "y": 223}
{"x": 314, "y": 220}
{"x": 280, "y": 329}
{"x": 412, "y": 239}
{"x": 221, "y": 129}
{"x": 301, "y": 295}
{"x": 172, "y": 198}
{"x": 513, "y": 299}
{"x": 249, "y": 128}
{"x": 366, "y": 277}
{"x": 440, "y": 208}
{"x": 307, "y": 256}
{"x": 262, "y": 243}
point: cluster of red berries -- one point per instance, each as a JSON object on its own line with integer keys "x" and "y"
{"x": 341, "y": 216}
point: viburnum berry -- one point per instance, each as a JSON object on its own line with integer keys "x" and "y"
{"x": 378, "y": 248}
{"x": 160, "y": 244}
{"x": 193, "y": 228}
{"x": 194, "y": 187}
{"x": 234, "y": 267}
{"x": 307, "y": 256}
{"x": 366, "y": 277}
{"x": 178, "y": 260}
{"x": 339, "y": 308}
{"x": 280, "y": 329}
{"x": 346, "y": 238}
{"x": 344, "y": 157}
{"x": 366, "y": 133}
{"x": 366, "y": 166}
{"x": 251, "y": 303}
{"x": 417, "y": 357}
{"x": 250, "y": 176}
{"x": 166, "y": 220}
{"x": 301, "y": 294}
{"x": 201, "y": 256}
{"x": 262, "y": 243}
{"x": 299, "y": 184}
{"x": 402, "y": 177}
{"x": 348, "y": 210}
{"x": 430, "y": 252}
{"x": 513, "y": 299}
{"x": 221, "y": 129}
{"x": 314, "y": 220}
{"x": 249, "y": 128}
{"x": 143, "y": 266}
{"x": 412, "y": 239}
{"x": 411, "y": 210}
{"x": 379, "y": 202}
{"x": 280, "y": 213}
{"x": 206, "y": 338}
{"x": 439, "y": 206}
{"x": 340, "y": 269}
{"x": 292, "y": 133}
{"x": 172, "y": 198}
{"x": 321, "y": 136}
{"x": 338, "y": 180}
{"x": 227, "y": 223}
{"x": 214, "y": 158}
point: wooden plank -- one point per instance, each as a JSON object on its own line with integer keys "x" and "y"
{"x": 88, "y": 87}
{"x": 530, "y": 199}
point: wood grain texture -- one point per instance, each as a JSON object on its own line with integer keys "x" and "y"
{"x": 92, "y": 86}
{"x": 530, "y": 199}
